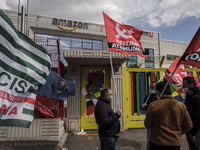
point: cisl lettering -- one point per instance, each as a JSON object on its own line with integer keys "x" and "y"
{"x": 13, "y": 83}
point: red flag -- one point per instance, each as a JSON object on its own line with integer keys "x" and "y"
{"x": 43, "y": 109}
{"x": 192, "y": 53}
{"x": 179, "y": 74}
{"x": 44, "y": 105}
{"x": 123, "y": 38}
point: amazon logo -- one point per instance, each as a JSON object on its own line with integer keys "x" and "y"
{"x": 69, "y": 25}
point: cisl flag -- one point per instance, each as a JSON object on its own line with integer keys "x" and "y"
{"x": 192, "y": 53}
{"x": 179, "y": 74}
{"x": 24, "y": 67}
{"x": 123, "y": 38}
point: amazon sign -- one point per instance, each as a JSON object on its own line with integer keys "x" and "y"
{"x": 69, "y": 24}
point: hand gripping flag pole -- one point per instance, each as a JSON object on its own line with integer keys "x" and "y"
{"x": 168, "y": 80}
{"x": 150, "y": 93}
{"x": 114, "y": 81}
{"x": 190, "y": 57}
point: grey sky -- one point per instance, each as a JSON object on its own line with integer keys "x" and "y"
{"x": 153, "y": 15}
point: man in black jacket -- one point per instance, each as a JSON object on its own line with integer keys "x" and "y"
{"x": 192, "y": 102}
{"x": 107, "y": 120}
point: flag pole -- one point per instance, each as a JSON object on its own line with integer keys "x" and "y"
{"x": 114, "y": 80}
{"x": 150, "y": 93}
{"x": 169, "y": 80}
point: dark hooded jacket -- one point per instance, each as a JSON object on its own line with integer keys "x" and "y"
{"x": 107, "y": 120}
{"x": 192, "y": 102}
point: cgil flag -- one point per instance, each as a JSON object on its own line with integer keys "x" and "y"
{"x": 123, "y": 38}
{"x": 191, "y": 55}
{"x": 179, "y": 74}
{"x": 57, "y": 87}
{"x": 24, "y": 67}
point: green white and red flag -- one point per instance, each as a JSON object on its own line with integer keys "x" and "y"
{"x": 24, "y": 67}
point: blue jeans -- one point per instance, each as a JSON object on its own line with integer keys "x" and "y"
{"x": 148, "y": 138}
{"x": 107, "y": 143}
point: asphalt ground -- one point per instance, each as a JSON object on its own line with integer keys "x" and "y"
{"x": 28, "y": 145}
{"x": 131, "y": 139}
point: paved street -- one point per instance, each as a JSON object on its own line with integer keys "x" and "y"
{"x": 28, "y": 145}
{"x": 132, "y": 139}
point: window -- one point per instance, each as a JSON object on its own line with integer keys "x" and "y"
{"x": 171, "y": 57}
{"x": 97, "y": 45}
{"x": 149, "y": 61}
{"x": 87, "y": 44}
{"x": 76, "y": 43}
{"x": 132, "y": 60}
{"x": 68, "y": 43}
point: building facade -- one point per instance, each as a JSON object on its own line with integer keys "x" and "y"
{"x": 85, "y": 54}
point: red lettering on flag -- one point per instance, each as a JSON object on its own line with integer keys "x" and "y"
{"x": 3, "y": 109}
{"x": 13, "y": 111}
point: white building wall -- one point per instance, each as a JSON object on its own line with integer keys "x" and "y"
{"x": 172, "y": 48}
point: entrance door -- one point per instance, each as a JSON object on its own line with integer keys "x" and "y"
{"x": 93, "y": 79}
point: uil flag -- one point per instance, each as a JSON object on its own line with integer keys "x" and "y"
{"x": 24, "y": 67}
{"x": 123, "y": 38}
{"x": 192, "y": 53}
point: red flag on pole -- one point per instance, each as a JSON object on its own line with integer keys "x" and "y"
{"x": 179, "y": 74}
{"x": 123, "y": 38}
{"x": 192, "y": 53}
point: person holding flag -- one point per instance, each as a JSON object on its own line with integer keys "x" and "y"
{"x": 168, "y": 119}
{"x": 149, "y": 98}
{"x": 192, "y": 102}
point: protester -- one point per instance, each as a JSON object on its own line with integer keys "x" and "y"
{"x": 192, "y": 102}
{"x": 107, "y": 120}
{"x": 149, "y": 98}
{"x": 168, "y": 119}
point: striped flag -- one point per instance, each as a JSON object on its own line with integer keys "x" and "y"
{"x": 175, "y": 94}
{"x": 24, "y": 67}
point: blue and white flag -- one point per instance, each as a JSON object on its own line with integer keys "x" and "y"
{"x": 57, "y": 87}
{"x": 24, "y": 67}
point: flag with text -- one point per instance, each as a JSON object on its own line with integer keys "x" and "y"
{"x": 123, "y": 38}
{"x": 191, "y": 55}
{"x": 24, "y": 67}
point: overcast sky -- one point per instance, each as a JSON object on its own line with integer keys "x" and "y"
{"x": 176, "y": 20}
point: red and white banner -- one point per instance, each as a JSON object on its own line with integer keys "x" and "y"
{"x": 123, "y": 38}
{"x": 192, "y": 53}
{"x": 179, "y": 74}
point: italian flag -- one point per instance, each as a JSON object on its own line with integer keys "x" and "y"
{"x": 24, "y": 67}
